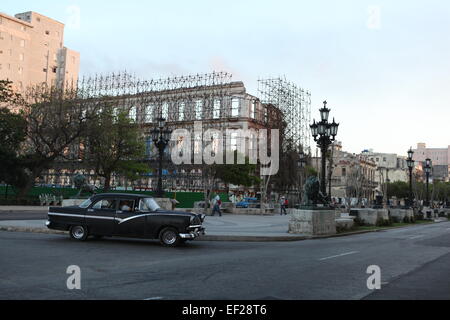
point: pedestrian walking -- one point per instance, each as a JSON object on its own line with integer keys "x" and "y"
{"x": 216, "y": 207}
{"x": 283, "y": 203}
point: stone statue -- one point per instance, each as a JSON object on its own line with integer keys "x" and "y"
{"x": 79, "y": 181}
{"x": 312, "y": 194}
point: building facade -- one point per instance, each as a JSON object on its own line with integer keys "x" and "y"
{"x": 32, "y": 52}
{"x": 440, "y": 158}
{"x": 390, "y": 167}
{"x": 208, "y": 102}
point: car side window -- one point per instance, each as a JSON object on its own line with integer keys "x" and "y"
{"x": 126, "y": 205}
{"x": 105, "y": 204}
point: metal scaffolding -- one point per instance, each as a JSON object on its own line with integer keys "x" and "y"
{"x": 213, "y": 98}
{"x": 295, "y": 105}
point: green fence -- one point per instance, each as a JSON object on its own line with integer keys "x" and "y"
{"x": 8, "y": 196}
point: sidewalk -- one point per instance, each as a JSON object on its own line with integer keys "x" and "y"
{"x": 11, "y": 209}
{"x": 225, "y": 228}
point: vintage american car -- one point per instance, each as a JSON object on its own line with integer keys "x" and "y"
{"x": 126, "y": 215}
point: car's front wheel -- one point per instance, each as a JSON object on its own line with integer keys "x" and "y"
{"x": 169, "y": 237}
{"x": 79, "y": 233}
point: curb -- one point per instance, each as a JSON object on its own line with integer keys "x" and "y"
{"x": 32, "y": 230}
{"x": 23, "y": 211}
{"x": 253, "y": 238}
{"x": 203, "y": 238}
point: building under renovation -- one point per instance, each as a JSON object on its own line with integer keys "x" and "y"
{"x": 214, "y": 100}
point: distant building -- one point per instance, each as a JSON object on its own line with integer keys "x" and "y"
{"x": 390, "y": 166}
{"x": 32, "y": 52}
{"x": 440, "y": 158}
{"x": 352, "y": 176}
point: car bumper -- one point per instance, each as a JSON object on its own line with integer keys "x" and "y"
{"x": 191, "y": 235}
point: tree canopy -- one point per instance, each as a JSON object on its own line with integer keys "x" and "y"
{"x": 114, "y": 145}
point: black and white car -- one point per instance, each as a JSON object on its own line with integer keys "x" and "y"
{"x": 126, "y": 215}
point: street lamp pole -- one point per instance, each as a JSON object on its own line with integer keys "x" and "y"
{"x": 324, "y": 134}
{"x": 410, "y": 163}
{"x": 301, "y": 166}
{"x": 161, "y": 137}
{"x": 428, "y": 166}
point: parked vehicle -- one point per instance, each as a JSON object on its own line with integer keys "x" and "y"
{"x": 126, "y": 215}
{"x": 249, "y": 203}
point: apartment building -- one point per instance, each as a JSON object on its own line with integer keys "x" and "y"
{"x": 440, "y": 158}
{"x": 32, "y": 51}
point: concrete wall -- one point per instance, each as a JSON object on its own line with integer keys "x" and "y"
{"x": 370, "y": 216}
{"x": 400, "y": 214}
{"x": 312, "y": 222}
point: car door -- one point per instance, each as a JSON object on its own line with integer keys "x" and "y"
{"x": 100, "y": 217}
{"x": 129, "y": 222}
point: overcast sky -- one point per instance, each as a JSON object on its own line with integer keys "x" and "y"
{"x": 383, "y": 66}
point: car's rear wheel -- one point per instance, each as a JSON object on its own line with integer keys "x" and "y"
{"x": 79, "y": 233}
{"x": 169, "y": 237}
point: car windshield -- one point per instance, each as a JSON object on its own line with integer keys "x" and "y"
{"x": 148, "y": 204}
{"x": 85, "y": 204}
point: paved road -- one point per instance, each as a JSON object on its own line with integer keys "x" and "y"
{"x": 415, "y": 264}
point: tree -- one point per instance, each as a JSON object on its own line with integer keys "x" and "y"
{"x": 237, "y": 174}
{"x": 8, "y": 98}
{"x": 12, "y": 134}
{"x": 114, "y": 145}
{"x": 398, "y": 189}
{"x": 56, "y": 120}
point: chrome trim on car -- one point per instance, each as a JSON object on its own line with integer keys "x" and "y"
{"x": 65, "y": 215}
{"x": 81, "y": 216}
{"x": 192, "y": 235}
{"x": 195, "y": 227}
{"x": 149, "y": 214}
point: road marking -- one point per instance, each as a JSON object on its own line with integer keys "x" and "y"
{"x": 154, "y": 298}
{"x": 416, "y": 237}
{"x": 339, "y": 255}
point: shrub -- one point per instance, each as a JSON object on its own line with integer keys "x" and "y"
{"x": 359, "y": 222}
{"x": 383, "y": 222}
{"x": 395, "y": 220}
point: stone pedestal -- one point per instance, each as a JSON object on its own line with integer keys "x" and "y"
{"x": 312, "y": 222}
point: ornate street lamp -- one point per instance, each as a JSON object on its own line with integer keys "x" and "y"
{"x": 428, "y": 168}
{"x": 301, "y": 164}
{"x": 324, "y": 133}
{"x": 410, "y": 162}
{"x": 161, "y": 138}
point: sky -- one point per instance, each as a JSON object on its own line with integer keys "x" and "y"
{"x": 383, "y": 66}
